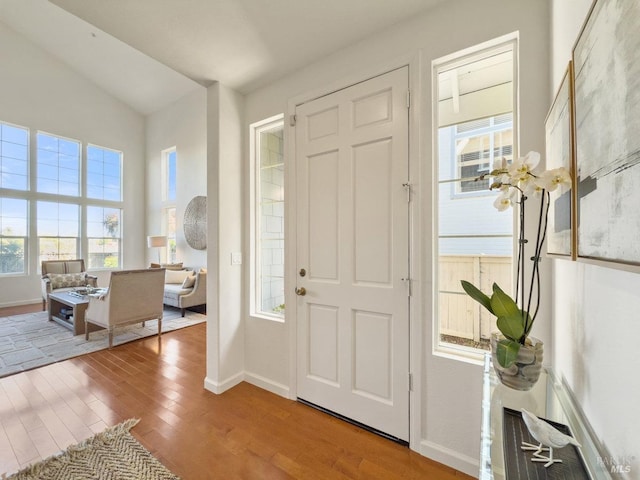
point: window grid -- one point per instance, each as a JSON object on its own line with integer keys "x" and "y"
{"x": 104, "y": 167}
{"x": 58, "y": 165}
{"x": 103, "y": 237}
{"x": 14, "y": 157}
{"x": 268, "y": 220}
{"x": 52, "y": 204}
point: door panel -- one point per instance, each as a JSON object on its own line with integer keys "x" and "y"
{"x": 372, "y": 212}
{"x": 352, "y": 240}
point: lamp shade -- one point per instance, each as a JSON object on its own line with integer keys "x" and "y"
{"x": 156, "y": 241}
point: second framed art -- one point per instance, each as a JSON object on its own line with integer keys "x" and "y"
{"x": 560, "y": 153}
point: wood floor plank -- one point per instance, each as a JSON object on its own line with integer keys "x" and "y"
{"x": 245, "y": 433}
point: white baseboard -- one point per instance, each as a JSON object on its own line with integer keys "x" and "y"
{"x": 221, "y": 387}
{"x": 21, "y": 302}
{"x": 450, "y": 458}
{"x": 266, "y": 384}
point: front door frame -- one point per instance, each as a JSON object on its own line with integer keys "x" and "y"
{"x": 416, "y": 326}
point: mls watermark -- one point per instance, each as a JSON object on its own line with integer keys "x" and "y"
{"x": 616, "y": 464}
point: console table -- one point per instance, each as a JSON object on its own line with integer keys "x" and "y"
{"x": 549, "y": 399}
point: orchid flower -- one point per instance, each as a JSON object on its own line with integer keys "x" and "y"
{"x": 552, "y": 179}
{"x": 522, "y": 169}
{"x": 505, "y": 199}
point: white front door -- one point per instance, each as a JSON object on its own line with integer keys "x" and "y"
{"x": 353, "y": 253}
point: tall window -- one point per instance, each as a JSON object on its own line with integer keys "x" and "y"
{"x": 171, "y": 172}
{"x": 170, "y": 192}
{"x": 267, "y": 263}
{"x": 13, "y": 235}
{"x": 475, "y": 99}
{"x": 74, "y": 201}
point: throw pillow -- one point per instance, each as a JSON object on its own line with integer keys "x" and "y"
{"x": 189, "y": 282}
{"x": 176, "y": 276}
{"x": 67, "y": 280}
{"x": 172, "y": 266}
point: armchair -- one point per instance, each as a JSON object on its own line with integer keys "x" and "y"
{"x": 64, "y": 275}
{"x": 134, "y": 296}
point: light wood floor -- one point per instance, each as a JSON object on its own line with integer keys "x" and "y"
{"x": 245, "y": 433}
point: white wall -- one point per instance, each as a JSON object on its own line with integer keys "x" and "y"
{"x": 183, "y": 125}
{"x": 595, "y": 311}
{"x": 39, "y": 92}
{"x": 225, "y": 325}
{"x": 448, "y": 394}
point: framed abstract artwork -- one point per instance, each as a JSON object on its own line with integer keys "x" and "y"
{"x": 607, "y": 126}
{"x": 560, "y": 153}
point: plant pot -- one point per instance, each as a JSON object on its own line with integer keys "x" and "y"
{"x": 525, "y": 371}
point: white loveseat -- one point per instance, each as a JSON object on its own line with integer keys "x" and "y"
{"x": 185, "y": 288}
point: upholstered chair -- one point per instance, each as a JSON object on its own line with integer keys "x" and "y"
{"x": 134, "y": 296}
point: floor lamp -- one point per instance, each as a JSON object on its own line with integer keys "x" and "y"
{"x": 157, "y": 241}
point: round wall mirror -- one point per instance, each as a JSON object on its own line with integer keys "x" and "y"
{"x": 195, "y": 223}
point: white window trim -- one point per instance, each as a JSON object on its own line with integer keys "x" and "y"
{"x": 255, "y": 287}
{"x": 506, "y": 42}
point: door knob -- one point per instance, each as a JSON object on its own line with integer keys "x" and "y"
{"x": 301, "y": 291}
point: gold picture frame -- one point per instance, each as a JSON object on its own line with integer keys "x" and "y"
{"x": 560, "y": 152}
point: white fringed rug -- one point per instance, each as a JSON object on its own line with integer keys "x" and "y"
{"x": 112, "y": 454}
{"x": 31, "y": 340}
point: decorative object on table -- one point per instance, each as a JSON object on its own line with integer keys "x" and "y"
{"x": 157, "y": 241}
{"x": 559, "y": 127}
{"x": 517, "y": 462}
{"x": 515, "y": 353}
{"x": 607, "y": 109}
{"x": 114, "y": 453}
{"x": 195, "y": 223}
{"x": 548, "y": 438}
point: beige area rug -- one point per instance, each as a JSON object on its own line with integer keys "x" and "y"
{"x": 112, "y": 454}
{"x": 31, "y": 340}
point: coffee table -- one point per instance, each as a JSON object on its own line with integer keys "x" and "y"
{"x": 78, "y": 304}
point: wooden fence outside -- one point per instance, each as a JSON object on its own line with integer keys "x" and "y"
{"x": 460, "y": 315}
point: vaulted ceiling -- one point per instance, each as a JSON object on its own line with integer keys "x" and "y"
{"x": 148, "y": 53}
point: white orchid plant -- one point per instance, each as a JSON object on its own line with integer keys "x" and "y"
{"x": 517, "y": 182}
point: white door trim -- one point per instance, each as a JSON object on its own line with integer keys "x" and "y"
{"x": 416, "y": 326}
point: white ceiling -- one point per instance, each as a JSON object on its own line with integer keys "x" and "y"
{"x": 243, "y": 44}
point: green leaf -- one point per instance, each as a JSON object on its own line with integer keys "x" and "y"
{"x": 511, "y": 326}
{"x": 507, "y": 352}
{"x": 477, "y": 295}
{"x": 502, "y": 304}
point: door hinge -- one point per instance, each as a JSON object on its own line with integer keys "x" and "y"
{"x": 292, "y": 120}
{"x": 407, "y": 187}
{"x": 408, "y": 282}
{"x": 410, "y": 382}
{"x": 408, "y": 98}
